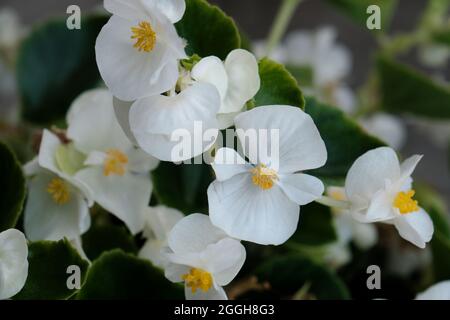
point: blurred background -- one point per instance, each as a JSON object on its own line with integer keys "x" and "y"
{"x": 255, "y": 18}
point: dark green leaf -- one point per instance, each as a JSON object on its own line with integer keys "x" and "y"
{"x": 345, "y": 140}
{"x": 288, "y": 274}
{"x": 208, "y": 30}
{"x": 405, "y": 90}
{"x": 47, "y": 273}
{"x": 13, "y": 188}
{"x": 435, "y": 207}
{"x": 117, "y": 275}
{"x": 316, "y": 226}
{"x": 303, "y": 75}
{"x": 278, "y": 86}
{"x": 55, "y": 65}
{"x": 440, "y": 246}
{"x": 182, "y": 186}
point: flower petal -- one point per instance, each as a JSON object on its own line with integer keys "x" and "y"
{"x": 215, "y": 293}
{"x": 228, "y": 163}
{"x": 301, "y": 188}
{"x": 416, "y": 227}
{"x": 438, "y": 291}
{"x": 151, "y": 250}
{"x": 407, "y": 167}
{"x": 212, "y": 70}
{"x": 249, "y": 213}
{"x": 160, "y": 220}
{"x": 122, "y": 110}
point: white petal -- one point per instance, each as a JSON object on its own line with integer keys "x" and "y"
{"x": 243, "y": 80}
{"x": 212, "y": 294}
{"x": 380, "y": 207}
{"x": 212, "y": 70}
{"x": 152, "y": 251}
{"x": 407, "y": 167}
{"x": 77, "y": 244}
{"x": 125, "y": 8}
{"x": 438, "y": 291}
{"x": 301, "y": 188}
{"x": 300, "y": 145}
{"x": 387, "y": 127}
{"x": 228, "y": 163}
{"x": 124, "y": 196}
{"x": 46, "y": 220}
{"x": 226, "y": 120}
{"x": 193, "y": 234}
{"x": 122, "y": 110}
{"x": 247, "y": 212}
{"x": 140, "y": 162}
{"x": 365, "y": 235}
{"x": 416, "y": 227}
{"x": 369, "y": 173}
{"x": 174, "y": 272}
{"x": 13, "y": 263}
{"x": 172, "y": 9}
{"x": 95, "y": 158}
{"x": 160, "y": 220}
{"x": 131, "y": 74}
{"x": 32, "y": 167}
{"x": 93, "y": 125}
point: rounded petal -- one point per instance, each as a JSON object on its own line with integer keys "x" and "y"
{"x": 212, "y": 70}
{"x": 380, "y": 208}
{"x": 228, "y": 163}
{"x": 246, "y": 212}
{"x": 365, "y": 235}
{"x": 141, "y": 162}
{"x": 124, "y": 196}
{"x": 193, "y": 234}
{"x": 301, "y": 188}
{"x": 174, "y": 272}
{"x": 438, "y": 291}
{"x": 160, "y": 220}
{"x": 226, "y": 120}
{"x": 369, "y": 174}
{"x": 152, "y": 251}
{"x": 44, "y": 219}
{"x": 13, "y": 262}
{"x": 215, "y": 293}
{"x": 243, "y": 80}
{"x": 416, "y": 227}
{"x": 387, "y": 127}
{"x": 407, "y": 167}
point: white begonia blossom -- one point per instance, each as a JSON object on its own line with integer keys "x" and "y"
{"x": 203, "y": 257}
{"x": 13, "y": 263}
{"x": 115, "y": 171}
{"x": 259, "y": 201}
{"x": 159, "y": 222}
{"x": 438, "y": 291}
{"x": 386, "y": 127}
{"x": 379, "y": 189}
{"x": 237, "y": 80}
{"x": 57, "y": 203}
{"x": 138, "y": 50}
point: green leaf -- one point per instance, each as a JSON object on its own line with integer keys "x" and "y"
{"x": 117, "y": 275}
{"x": 13, "y": 188}
{"x": 47, "y": 273}
{"x": 288, "y": 274}
{"x": 345, "y": 139}
{"x": 316, "y": 226}
{"x": 278, "y": 86}
{"x": 182, "y": 186}
{"x": 55, "y": 65}
{"x": 303, "y": 74}
{"x": 404, "y": 90}
{"x": 440, "y": 246}
{"x": 208, "y": 30}
{"x": 104, "y": 236}
{"x": 357, "y": 10}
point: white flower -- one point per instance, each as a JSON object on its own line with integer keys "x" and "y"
{"x": 115, "y": 171}
{"x": 278, "y": 54}
{"x": 237, "y": 80}
{"x": 259, "y": 201}
{"x": 11, "y": 30}
{"x": 203, "y": 257}
{"x": 438, "y": 291}
{"x": 138, "y": 49}
{"x": 159, "y": 222}
{"x": 386, "y": 127}
{"x": 379, "y": 188}
{"x": 13, "y": 263}
{"x": 57, "y": 204}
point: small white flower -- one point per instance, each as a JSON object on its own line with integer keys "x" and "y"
{"x": 159, "y": 222}
{"x": 259, "y": 201}
{"x": 57, "y": 204}
{"x": 138, "y": 49}
{"x": 237, "y": 80}
{"x": 386, "y": 127}
{"x": 438, "y": 291}
{"x": 379, "y": 188}
{"x": 13, "y": 263}
{"x": 203, "y": 257}
{"x": 115, "y": 171}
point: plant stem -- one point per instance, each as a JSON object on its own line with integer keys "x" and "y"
{"x": 330, "y": 202}
{"x": 281, "y": 23}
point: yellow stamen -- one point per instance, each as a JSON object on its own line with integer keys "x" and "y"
{"x": 115, "y": 163}
{"x": 198, "y": 279}
{"x": 405, "y": 203}
{"x": 59, "y": 191}
{"x": 264, "y": 177}
{"x": 145, "y": 36}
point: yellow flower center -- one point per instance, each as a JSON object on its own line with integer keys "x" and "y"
{"x": 264, "y": 177}
{"x": 59, "y": 191}
{"x": 145, "y": 36}
{"x": 405, "y": 203}
{"x": 198, "y": 279}
{"x": 115, "y": 163}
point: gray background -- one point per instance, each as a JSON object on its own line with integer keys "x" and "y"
{"x": 255, "y": 18}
